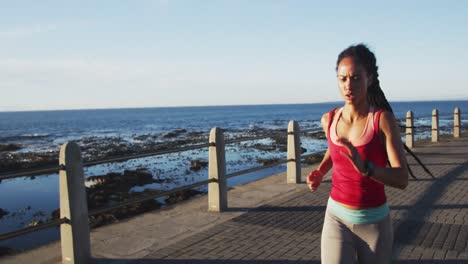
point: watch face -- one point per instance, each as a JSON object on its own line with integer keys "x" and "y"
{"x": 370, "y": 169}
{"x": 369, "y": 166}
{"x": 366, "y": 169}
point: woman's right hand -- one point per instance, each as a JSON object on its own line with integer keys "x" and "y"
{"x": 314, "y": 179}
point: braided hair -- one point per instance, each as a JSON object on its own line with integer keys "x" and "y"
{"x": 365, "y": 57}
{"x": 375, "y": 95}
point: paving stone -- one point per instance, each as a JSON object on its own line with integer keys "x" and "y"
{"x": 451, "y": 254}
{"x": 289, "y": 228}
{"x": 440, "y": 254}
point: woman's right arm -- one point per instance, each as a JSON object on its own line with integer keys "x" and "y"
{"x": 315, "y": 177}
{"x": 326, "y": 163}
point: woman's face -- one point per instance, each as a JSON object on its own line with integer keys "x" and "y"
{"x": 353, "y": 81}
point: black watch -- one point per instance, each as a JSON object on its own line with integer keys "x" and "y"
{"x": 369, "y": 169}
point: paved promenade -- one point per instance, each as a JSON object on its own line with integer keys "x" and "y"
{"x": 271, "y": 222}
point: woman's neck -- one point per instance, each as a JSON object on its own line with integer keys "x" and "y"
{"x": 353, "y": 112}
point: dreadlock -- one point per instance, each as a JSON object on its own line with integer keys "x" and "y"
{"x": 375, "y": 95}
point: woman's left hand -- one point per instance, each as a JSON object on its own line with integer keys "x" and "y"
{"x": 352, "y": 155}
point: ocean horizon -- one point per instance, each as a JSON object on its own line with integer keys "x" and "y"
{"x": 226, "y": 105}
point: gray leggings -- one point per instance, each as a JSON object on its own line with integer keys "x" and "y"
{"x": 344, "y": 242}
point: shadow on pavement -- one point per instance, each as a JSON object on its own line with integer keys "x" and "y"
{"x": 432, "y": 261}
{"x": 421, "y": 208}
{"x": 277, "y": 209}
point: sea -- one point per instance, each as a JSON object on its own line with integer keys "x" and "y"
{"x": 34, "y": 198}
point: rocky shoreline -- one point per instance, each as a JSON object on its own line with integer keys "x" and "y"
{"x": 98, "y": 148}
{"x": 113, "y": 188}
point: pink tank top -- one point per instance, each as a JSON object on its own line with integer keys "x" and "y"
{"x": 349, "y": 186}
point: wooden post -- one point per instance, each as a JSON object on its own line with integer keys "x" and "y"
{"x": 217, "y": 191}
{"x": 456, "y": 122}
{"x": 435, "y": 125}
{"x": 294, "y": 153}
{"x": 409, "y": 129}
{"x": 75, "y": 238}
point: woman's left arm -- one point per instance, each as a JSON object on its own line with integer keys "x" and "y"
{"x": 397, "y": 175}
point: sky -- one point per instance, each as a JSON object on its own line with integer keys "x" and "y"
{"x": 153, "y": 53}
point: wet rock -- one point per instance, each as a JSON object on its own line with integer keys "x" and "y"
{"x": 120, "y": 181}
{"x": 281, "y": 140}
{"x": 10, "y": 162}
{"x": 124, "y": 212}
{"x": 267, "y": 161}
{"x": 55, "y": 214}
{"x": 314, "y": 159}
{"x": 39, "y": 214}
{"x": 283, "y": 148}
{"x": 120, "y": 213}
{"x": 102, "y": 219}
{"x": 196, "y": 165}
{"x": 9, "y": 147}
{"x": 96, "y": 200}
{"x": 96, "y": 148}
{"x": 197, "y": 134}
{"x": 317, "y": 135}
{"x": 114, "y": 188}
{"x": 137, "y": 208}
{"x": 96, "y": 180}
{"x": 181, "y": 196}
{"x": 88, "y": 140}
{"x": 34, "y": 222}
{"x": 7, "y": 251}
{"x": 264, "y": 147}
{"x": 170, "y": 135}
{"x": 145, "y": 137}
{"x": 163, "y": 180}
{"x": 3, "y": 212}
{"x": 174, "y": 133}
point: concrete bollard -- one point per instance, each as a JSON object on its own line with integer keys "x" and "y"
{"x": 217, "y": 191}
{"x": 294, "y": 153}
{"x": 456, "y": 122}
{"x": 75, "y": 239}
{"x": 435, "y": 125}
{"x": 409, "y": 129}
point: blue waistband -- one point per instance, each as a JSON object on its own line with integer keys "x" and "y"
{"x": 365, "y": 216}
